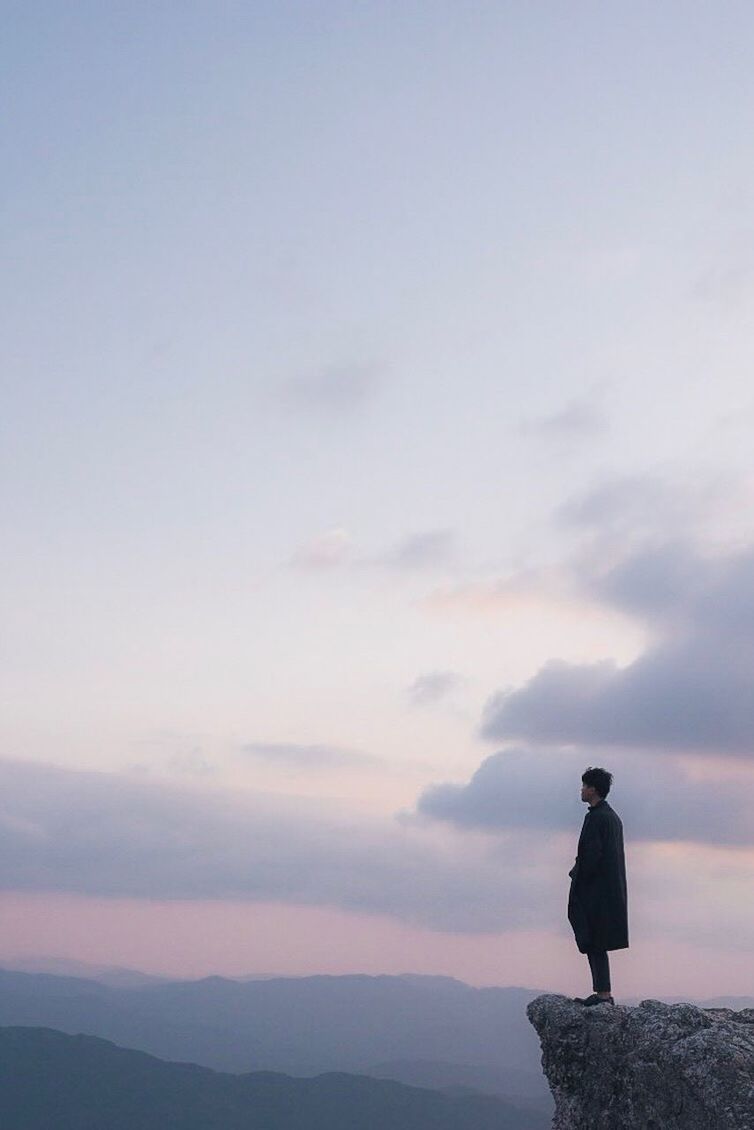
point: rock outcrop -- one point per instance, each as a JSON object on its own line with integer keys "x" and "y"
{"x": 653, "y": 1067}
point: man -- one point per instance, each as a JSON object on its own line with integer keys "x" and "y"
{"x": 598, "y": 903}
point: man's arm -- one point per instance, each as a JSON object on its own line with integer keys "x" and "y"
{"x": 591, "y": 849}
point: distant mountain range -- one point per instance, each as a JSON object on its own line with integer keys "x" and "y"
{"x": 424, "y": 1031}
{"x": 67, "y": 967}
{"x": 51, "y": 1080}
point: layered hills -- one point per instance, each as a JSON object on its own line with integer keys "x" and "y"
{"x": 49, "y": 1079}
{"x": 423, "y": 1031}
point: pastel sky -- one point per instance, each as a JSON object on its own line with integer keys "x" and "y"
{"x": 376, "y": 455}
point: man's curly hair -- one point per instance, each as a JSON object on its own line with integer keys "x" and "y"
{"x": 599, "y": 778}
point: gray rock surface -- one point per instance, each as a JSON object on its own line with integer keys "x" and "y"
{"x": 653, "y": 1067}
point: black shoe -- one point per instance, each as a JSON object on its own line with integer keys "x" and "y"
{"x": 594, "y": 999}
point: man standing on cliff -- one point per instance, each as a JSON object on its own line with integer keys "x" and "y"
{"x": 598, "y": 902}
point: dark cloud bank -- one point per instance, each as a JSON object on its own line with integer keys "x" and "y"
{"x": 657, "y": 797}
{"x": 113, "y": 836}
{"x": 691, "y": 691}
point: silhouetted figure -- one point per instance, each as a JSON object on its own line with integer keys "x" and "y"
{"x": 598, "y": 900}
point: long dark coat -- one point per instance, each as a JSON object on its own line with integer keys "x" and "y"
{"x": 598, "y": 900}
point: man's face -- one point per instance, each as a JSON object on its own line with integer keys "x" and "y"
{"x": 588, "y": 794}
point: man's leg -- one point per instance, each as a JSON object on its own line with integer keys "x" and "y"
{"x": 599, "y": 964}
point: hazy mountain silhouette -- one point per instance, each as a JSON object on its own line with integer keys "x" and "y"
{"x": 525, "y": 1088}
{"x": 304, "y": 1026}
{"x": 67, "y": 967}
{"x": 49, "y": 1079}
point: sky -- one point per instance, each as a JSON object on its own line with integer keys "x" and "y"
{"x": 376, "y": 456}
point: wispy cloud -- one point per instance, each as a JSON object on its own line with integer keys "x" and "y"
{"x": 328, "y": 550}
{"x": 635, "y": 504}
{"x": 332, "y": 549}
{"x": 727, "y": 281}
{"x": 336, "y": 390}
{"x": 310, "y": 757}
{"x": 525, "y": 588}
{"x": 578, "y": 419}
{"x": 433, "y": 687}
{"x": 423, "y": 550}
{"x": 631, "y": 511}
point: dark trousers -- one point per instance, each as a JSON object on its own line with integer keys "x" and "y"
{"x": 600, "y": 967}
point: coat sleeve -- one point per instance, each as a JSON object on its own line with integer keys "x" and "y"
{"x": 591, "y": 849}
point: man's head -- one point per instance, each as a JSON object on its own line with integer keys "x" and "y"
{"x": 595, "y": 785}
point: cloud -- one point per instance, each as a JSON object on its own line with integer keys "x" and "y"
{"x": 579, "y": 419}
{"x": 659, "y": 799}
{"x": 173, "y": 752}
{"x": 692, "y": 689}
{"x": 314, "y": 757}
{"x": 192, "y": 763}
{"x": 111, "y": 835}
{"x": 525, "y": 589}
{"x": 433, "y": 687}
{"x": 328, "y": 550}
{"x": 337, "y": 390}
{"x": 728, "y": 280}
{"x": 424, "y": 550}
{"x": 632, "y": 511}
{"x": 629, "y": 498}
{"x": 427, "y": 549}
{"x": 689, "y": 834}
{"x": 730, "y": 286}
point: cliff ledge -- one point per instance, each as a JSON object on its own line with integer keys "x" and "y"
{"x": 653, "y": 1067}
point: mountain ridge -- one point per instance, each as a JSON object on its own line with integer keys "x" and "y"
{"x": 81, "y": 1082}
{"x": 302, "y": 1026}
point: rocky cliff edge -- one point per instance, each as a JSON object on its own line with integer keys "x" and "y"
{"x": 653, "y": 1067}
